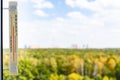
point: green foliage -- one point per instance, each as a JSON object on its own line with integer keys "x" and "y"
{"x": 117, "y": 71}
{"x": 65, "y": 64}
{"x": 57, "y": 77}
{"x": 42, "y": 72}
{"x": 98, "y": 77}
{"x": 87, "y": 78}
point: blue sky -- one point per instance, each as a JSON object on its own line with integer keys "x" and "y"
{"x": 62, "y": 23}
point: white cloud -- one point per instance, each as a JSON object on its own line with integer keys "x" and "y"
{"x": 106, "y": 12}
{"x": 40, "y": 13}
{"x": 60, "y": 19}
{"x": 97, "y": 5}
{"x": 41, "y": 4}
{"x": 19, "y": 0}
{"x": 79, "y": 3}
{"x": 98, "y": 30}
{"x": 77, "y": 18}
{"x": 76, "y": 15}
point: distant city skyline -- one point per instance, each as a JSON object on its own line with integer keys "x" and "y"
{"x": 62, "y": 23}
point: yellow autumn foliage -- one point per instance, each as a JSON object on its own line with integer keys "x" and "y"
{"x": 74, "y": 76}
{"x": 111, "y": 63}
{"x": 103, "y": 59}
{"x": 53, "y": 62}
{"x": 105, "y": 78}
{"x": 72, "y": 57}
{"x": 100, "y": 67}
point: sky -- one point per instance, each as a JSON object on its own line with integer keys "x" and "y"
{"x": 62, "y": 23}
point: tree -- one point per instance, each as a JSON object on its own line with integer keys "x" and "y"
{"x": 42, "y": 72}
{"x": 56, "y": 77}
{"x": 74, "y": 76}
{"x": 87, "y": 78}
{"x": 111, "y": 63}
{"x": 117, "y": 71}
{"x": 64, "y": 66}
{"x": 98, "y": 77}
{"x": 105, "y": 78}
